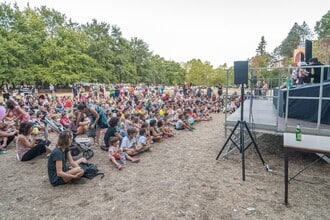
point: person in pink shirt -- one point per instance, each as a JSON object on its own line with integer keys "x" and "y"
{"x": 65, "y": 121}
{"x": 20, "y": 115}
{"x": 27, "y": 146}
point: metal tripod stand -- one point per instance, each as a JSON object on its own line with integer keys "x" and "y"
{"x": 241, "y": 147}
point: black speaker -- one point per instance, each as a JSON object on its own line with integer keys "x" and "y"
{"x": 308, "y": 50}
{"x": 241, "y": 69}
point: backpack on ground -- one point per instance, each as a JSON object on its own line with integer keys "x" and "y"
{"x": 90, "y": 170}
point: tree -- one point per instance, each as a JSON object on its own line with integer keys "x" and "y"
{"x": 291, "y": 42}
{"x": 321, "y": 49}
{"x": 305, "y": 33}
{"x": 261, "y": 49}
{"x": 41, "y": 46}
{"x": 262, "y": 58}
{"x": 198, "y": 72}
{"x": 296, "y": 36}
{"x": 322, "y": 27}
{"x": 99, "y": 47}
{"x": 140, "y": 57}
{"x": 322, "y": 45}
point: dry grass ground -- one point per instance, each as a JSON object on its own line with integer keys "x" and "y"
{"x": 178, "y": 179}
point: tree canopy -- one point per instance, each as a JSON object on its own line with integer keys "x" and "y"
{"x": 41, "y": 46}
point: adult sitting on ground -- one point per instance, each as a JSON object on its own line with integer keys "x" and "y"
{"x": 7, "y": 135}
{"x": 58, "y": 171}
{"x": 27, "y": 146}
{"x": 112, "y": 131}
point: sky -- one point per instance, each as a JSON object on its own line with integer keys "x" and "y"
{"x": 216, "y": 31}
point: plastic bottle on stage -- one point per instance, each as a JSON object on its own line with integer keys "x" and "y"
{"x": 298, "y": 133}
{"x": 289, "y": 83}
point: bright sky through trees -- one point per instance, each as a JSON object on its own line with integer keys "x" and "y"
{"x": 211, "y": 30}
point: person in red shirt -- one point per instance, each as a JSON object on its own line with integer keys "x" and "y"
{"x": 68, "y": 103}
{"x": 65, "y": 121}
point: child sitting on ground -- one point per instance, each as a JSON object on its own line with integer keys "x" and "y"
{"x": 156, "y": 136}
{"x": 166, "y": 130}
{"x": 117, "y": 156}
{"x": 181, "y": 124}
{"x": 129, "y": 143}
{"x": 143, "y": 140}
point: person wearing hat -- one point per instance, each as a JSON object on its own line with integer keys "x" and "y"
{"x": 317, "y": 70}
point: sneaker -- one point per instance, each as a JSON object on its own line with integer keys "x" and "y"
{"x": 3, "y": 151}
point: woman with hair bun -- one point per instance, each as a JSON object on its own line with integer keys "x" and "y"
{"x": 27, "y": 146}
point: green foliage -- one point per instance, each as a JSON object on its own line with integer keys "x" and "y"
{"x": 321, "y": 49}
{"x": 291, "y": 42}
{"x": 322, "y": 27}
{"x": 41, "y": 46}
{"x": 261, "y": 49}
{"x": 198, "y": 72}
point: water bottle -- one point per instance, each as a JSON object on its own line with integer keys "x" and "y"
{"x": 289, "y": 83}
{"x": 298, "y": 133}
{"x": 123, "y": 158}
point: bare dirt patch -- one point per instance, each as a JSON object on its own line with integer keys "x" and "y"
{"x": 178, "y": 179}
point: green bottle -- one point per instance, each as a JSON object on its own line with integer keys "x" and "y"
{"x": 298, "y": 133}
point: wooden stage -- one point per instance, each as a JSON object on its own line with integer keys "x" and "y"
{"x": 262, "y": 117}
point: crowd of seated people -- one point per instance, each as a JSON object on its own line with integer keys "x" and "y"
{"x": 135, "y": 119}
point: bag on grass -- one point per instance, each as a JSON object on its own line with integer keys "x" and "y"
{"x": 90, "y": 170}
{"x": 91, "y": 132}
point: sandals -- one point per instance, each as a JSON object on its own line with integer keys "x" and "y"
{"x": 3, "y": 147}
{"x": 118, "y": 166}
{"x": 135, "y": 160}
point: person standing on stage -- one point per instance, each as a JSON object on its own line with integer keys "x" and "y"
{"x": 317, "y": 70}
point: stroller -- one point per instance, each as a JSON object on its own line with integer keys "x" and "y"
{"x": 78, "y": 145}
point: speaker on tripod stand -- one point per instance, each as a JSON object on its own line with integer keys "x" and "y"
{"x": 241, "y": 77}
{"x": 241, "y": 70}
